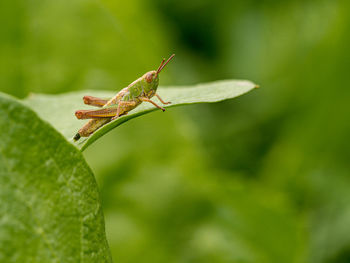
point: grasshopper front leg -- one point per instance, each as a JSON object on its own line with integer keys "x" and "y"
{"x": 162, "y": 101}
{"x": 150, "y": 101}
{"x": 93, "y": 101}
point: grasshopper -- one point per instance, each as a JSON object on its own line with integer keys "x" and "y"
{"x": 142, "y": 89}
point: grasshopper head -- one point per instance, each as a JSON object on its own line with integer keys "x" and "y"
{"x": 152, "y": 77}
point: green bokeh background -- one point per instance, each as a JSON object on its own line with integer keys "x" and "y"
{"x": 262, "y": 178}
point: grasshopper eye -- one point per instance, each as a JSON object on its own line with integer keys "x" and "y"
{"x": 149, "y": 77}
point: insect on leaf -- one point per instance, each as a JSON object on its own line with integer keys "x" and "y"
{"x": 59, "y": 109}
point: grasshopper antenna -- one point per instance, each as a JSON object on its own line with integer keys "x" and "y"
{"x": 162, "y": 65}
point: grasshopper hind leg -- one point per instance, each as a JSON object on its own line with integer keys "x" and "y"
{"x": 93, "y": 114}
{"x": 94, "y": 101}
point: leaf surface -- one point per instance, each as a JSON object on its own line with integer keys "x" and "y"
{"x": 50, "y": 207}
{"x": 59, "y": 109}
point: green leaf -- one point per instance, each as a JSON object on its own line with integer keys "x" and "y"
{"x": 59, "y": 109}
{"x": 50, "y": 207}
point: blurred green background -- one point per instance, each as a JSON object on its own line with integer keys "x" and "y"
{"x": 263, "y": 178}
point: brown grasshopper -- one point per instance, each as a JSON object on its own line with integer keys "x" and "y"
{"x": 142, "y": 89}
